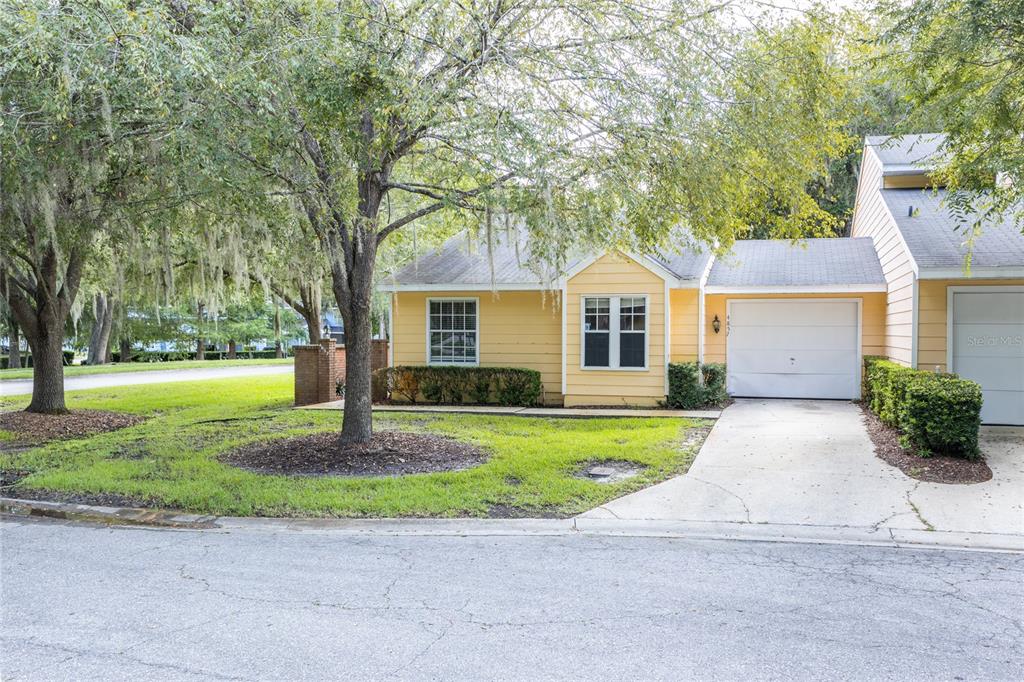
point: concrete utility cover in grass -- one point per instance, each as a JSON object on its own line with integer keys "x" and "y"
{"x": 610, "y": 472}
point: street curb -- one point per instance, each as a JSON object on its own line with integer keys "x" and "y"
{"x": 121, "y": 516}
{"x": 467, "y": 527}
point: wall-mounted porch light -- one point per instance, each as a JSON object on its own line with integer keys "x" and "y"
{"x": 716, "y": 324}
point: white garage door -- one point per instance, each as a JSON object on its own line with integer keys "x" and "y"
{"x": 793, "y": 349}
{"x": 988, "y": 347}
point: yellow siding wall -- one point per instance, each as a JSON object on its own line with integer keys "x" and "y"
{"x": 871, "y": 218}
{"x": 683, "y": 324}
{"x": 517, "y": 329}
{"x": 907, "y": 181}
{"x": 872, "y": 320}
{"x": 616, "y": 274}
{"x": 932, "y": 318}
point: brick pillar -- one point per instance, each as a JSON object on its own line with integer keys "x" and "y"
{"x": 307, "y": 374}
{"x": 326, "y": 372}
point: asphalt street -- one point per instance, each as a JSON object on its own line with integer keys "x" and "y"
{"x": 24, "y": 386}
{"x": 87, "y": 602}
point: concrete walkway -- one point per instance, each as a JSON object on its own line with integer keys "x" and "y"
{"x": 24, "y": 386}
{"x": 565, "y": 412}
{"x": 802, "y": 462}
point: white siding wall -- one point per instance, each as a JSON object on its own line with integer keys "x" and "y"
{"x": 871, "y": 218}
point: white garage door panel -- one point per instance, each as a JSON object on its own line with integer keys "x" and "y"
{"x": 989, "y": 307}
{"x": 1000, "y": 374}
{"x": 793, "y": 362}
{"x": 988, "y": 347}
{"x": 825, "y": 386}
{"x": 780, "y": 337}
{"x": 794, "y": 313}
{"x": 1002, "y": 407}
{"x": 793, "y": 349}
{"x": 989, "y": 340}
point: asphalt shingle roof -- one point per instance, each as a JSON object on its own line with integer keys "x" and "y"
{"x": 465, "y": 261}
{"x": 907, "y": 153}
{"x": 807, "y": 263}
{"x": 936, "y": 237}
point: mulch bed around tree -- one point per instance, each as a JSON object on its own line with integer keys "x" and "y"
{"x": 34, "y": 429}
{"x": 389, "y": 453}
{"x": 935, "y": 469}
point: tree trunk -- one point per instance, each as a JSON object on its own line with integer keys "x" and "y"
{"x": 125, "y": 346}
{"x": 357, "y": 420}
{"x": 200, "y": 342}
{"x": 311, "y": 312}
{"x": 278, "y": 346}
{"x": 232, "y": 350}
{"x": 14, "y": 356}
{"x": 41, "y": 303}
{"x": 99, "y": 340}
{"x": 48, "y": 370}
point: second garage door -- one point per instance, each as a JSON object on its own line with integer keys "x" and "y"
{"x": 988, "y": 347}
{"x": 808, "y": 348}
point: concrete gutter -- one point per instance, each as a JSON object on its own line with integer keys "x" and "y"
{"x": 756, "y": 532}
{"x": 560, "y": 412}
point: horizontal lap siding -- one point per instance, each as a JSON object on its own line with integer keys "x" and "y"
{"x": 872, "y": 219}
{"x": 931, "y": 323}
{"x": 873, "y": 306}
{"x": 517, "y": 329}
{"x": 684, "y": 324}
{"x": 616, "y": 274}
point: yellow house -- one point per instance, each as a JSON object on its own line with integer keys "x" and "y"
{"x": 939, "y": 315}
{"x": 788, "y": 320}
{"x": 604, "y": 331}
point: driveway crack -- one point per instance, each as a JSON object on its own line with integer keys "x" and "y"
{"x": 728, "y": 492}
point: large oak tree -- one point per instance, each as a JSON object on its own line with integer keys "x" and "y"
{"x": 582, "y": 122}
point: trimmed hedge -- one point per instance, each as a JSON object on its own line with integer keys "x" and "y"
{"x": 509, "y": 386}
{"x": 173, "y": 356}
{"x": 935, "y": 413}
{"x": 26, "y": 359}
{"x": 692, "y": 385}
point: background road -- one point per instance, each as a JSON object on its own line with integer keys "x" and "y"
{"x": 89, "y": 602}
{"x": 24, "y": 386}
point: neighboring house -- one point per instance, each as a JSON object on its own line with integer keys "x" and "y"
{"x": 789, "y": 320}
{"x": 937, "y": 316}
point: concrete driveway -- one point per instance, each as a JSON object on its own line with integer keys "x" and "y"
{"x": 810, "y": 462}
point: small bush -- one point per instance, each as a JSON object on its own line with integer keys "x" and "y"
{"x": 935, "y": 413}
{"x": 943, "y": 415}
{"x": 692, "y": 385}
{"x": 507, "y": 386}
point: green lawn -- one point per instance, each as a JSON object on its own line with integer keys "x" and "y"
{"x": 170, "y": 460}
{"x": 115, "y": 368}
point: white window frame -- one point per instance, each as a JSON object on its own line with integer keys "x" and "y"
{"x": 453, "y": 299}
{"x": 614, "y": 308}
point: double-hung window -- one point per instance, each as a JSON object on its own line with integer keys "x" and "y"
{"x": 452, "y": 331}
{"x": 615, "y": 332}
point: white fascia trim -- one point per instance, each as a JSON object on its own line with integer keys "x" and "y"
{"x": 565, "y": 329}
{"x": 976, "y": 273}
{"x": 667, "y": 354}
{"x": 514, "y": 286}
{"x": 904, "y": 169}
{"x": 391, "y": 330}
{"x": 701, "y": 291}
{"x": 823, "y": 289}
{"x": 915, "y": 317}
